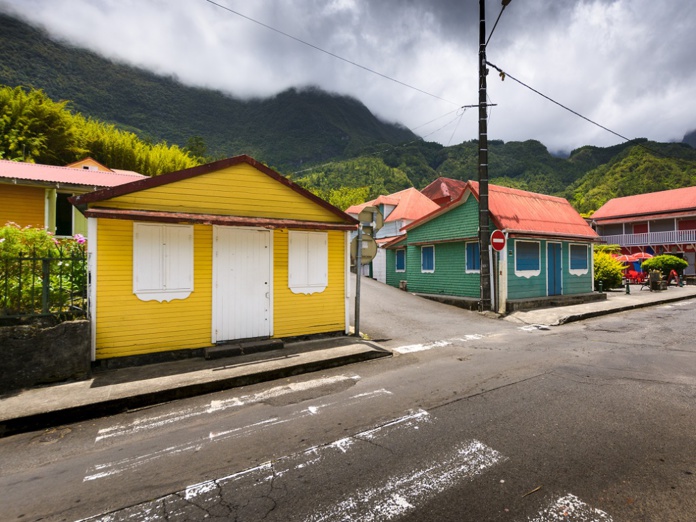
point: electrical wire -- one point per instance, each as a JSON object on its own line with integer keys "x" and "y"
{"x": 338, "y": 57}
{"x": 504, "y": 75}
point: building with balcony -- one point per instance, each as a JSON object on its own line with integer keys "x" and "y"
{"x": 657, "y": 223}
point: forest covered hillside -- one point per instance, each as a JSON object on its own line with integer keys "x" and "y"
{"x": 329, "y": 143}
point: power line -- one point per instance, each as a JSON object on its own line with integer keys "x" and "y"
{"x": 504, "y": 75}
{"x": 338, "y": 57}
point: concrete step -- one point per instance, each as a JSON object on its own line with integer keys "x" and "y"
{"x": 242, "y": 348}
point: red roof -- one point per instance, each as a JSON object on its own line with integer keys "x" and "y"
{"x": 410, "y": 204}
{"x": 521, "y": 212}
{"x": 444, "y": 190}
{"x": 50, "y": 174}
{"x": 664, "y": 202}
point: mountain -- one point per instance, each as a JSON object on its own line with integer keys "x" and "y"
{"x": 295, "y": 128}
{"x": 333, "y": 143}
{"x": 690, "y": 138}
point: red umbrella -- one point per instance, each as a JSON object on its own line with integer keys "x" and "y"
{"x": 626, "y": 258}
{"x": 642, "y": 255}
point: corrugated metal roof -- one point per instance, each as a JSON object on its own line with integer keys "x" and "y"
{"x": 49, "y": 174}
{"x": 444, "y": 190}
{"x": 662, "y": 202}
{"x": 410, "y": 204}
{"x": 522, "y": 212}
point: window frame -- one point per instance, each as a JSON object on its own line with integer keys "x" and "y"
{"x": 582, "y": 270}
{"x": 308, "y": 261}
{"x": 527, "y": 272}
{"x": 427, "y": 270}
{"x": 476, "y": 268}
{"x": 401, "y": 251}
{"x": 163, "y": 267}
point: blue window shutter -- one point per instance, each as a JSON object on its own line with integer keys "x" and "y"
{"x": 578, "y": 257}
{"x": 428, "y": 259}
{"x": 401, "y": 260}
{"x": 527, "y": 255}
{"x": 473, "y": 257}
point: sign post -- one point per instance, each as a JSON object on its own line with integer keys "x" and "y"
{"x": 498, "y": 240}
{"x": 497, "y": 244}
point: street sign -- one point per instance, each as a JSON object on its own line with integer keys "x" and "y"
{"x": 371, "y": 216}
{"x": 369, "y": 250}
{"x": 497, "y": 240}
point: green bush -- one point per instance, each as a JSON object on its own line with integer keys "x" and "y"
{"x": 607, "y": 270}
{"x": 40, "y": 273}
{"x": 665, "y": 264}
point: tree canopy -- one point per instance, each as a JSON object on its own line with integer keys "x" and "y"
{"x": 36, "y": 129}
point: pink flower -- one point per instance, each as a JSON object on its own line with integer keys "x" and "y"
{"x": 79, "y": 238}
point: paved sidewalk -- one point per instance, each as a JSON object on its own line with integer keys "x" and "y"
{"x": 617, "y": 301}
{"x": 114, "y": 391}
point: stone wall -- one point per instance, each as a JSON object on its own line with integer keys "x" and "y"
{"x": 31, "y": 355}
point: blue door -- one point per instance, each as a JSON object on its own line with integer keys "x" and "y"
{"x": 553, "y": 266}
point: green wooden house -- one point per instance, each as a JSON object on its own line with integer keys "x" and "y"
{"x": 548, "y": 250}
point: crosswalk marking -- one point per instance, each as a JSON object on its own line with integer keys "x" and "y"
{"x": 402, "y": 493}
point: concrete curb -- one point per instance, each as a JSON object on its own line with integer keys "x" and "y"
{"x": 635, "y": 306}
{"x": 94, "y": 410}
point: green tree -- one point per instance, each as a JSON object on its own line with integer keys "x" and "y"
{"x": 34, "y": 128}
{"x": 665, "y": 264}
{"x": 607, "y": 270}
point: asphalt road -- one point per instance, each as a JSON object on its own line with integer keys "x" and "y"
{"x": 472, "y": 419}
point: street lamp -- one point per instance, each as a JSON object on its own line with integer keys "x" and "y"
{"x": 484, "y": 234}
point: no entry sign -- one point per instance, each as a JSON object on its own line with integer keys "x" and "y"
{"x": 497, "y": 240}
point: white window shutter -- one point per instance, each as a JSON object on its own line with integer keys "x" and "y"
{"x": 148, "y": 269}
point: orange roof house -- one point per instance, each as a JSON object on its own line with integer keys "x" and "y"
{"x": 37, "y": 195}
{"x": 398, "y": 209}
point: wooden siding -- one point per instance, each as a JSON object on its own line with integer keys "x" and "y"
{"x": 449, "y": 277}
{"x": 22, "y": 205}
{"x": 128, "y": 326}
{"x": 536, "y": 286}
{"x": 523, "y": 287}
{"x": 576, "y": 284}
{"x": 460, "y": 222}
{"x": 300, "y": 314}
{"x": 393, "y": 277}
{"x": 240, "y": 190}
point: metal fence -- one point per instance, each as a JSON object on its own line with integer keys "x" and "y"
{"x": 32, "y": 286}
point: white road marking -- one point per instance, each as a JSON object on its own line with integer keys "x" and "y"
{"x": 399, "y": 494}
{"x": 402, "y": 493}
{"x": 150, "y": 423}
{"x": 410, "y": 348}
{"x": 128, "y": 464}
{"x": 312, "y": 455}
{"x": 571, "y": 509}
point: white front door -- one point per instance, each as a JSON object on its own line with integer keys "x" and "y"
{"x": 241, "y": 283}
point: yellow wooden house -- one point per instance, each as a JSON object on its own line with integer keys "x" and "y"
{"x": 226, "y": 251}
{"x": 36, "y": 195}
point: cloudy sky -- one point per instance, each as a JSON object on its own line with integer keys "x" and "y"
{"x": 629, "y": 65}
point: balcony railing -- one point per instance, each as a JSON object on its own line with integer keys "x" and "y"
{"x": 673, "y": 237}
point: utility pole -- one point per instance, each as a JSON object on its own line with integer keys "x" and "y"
{"x": 484, "y": 236}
